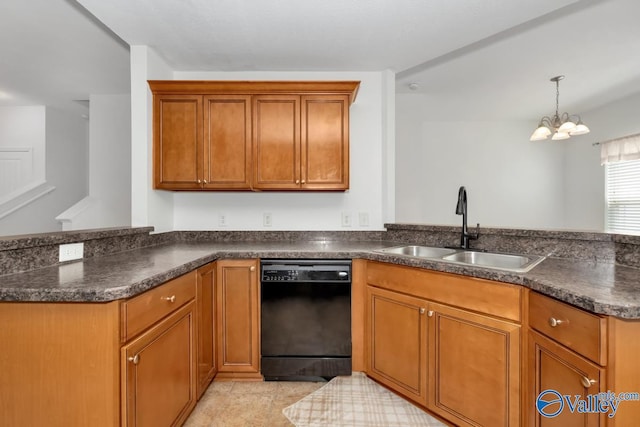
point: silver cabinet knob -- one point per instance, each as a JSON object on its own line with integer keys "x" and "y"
{"x": 422, "y": 310}
{"x": 252, "y": 268}
{"x": 587, "y": 382}
{"x": 430, "y": 313}
{"x": 553, "y": 322}
{"x": 134, "y": 359}
{"x": 172, "y": 298}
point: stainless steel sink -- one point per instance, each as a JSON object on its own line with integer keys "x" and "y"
{"x": 510, "y": 262}
{"x": 419, "y": 251}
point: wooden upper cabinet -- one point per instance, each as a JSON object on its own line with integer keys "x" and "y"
{"x": 324, "y": 142}
{"x": 227, "y": 142}
{"x": 178, "y": 150}
{"x": 239, "y": 135}
{"x": 276, "y": 142}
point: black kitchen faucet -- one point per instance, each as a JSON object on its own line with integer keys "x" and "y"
{"x": 461, "y": 209}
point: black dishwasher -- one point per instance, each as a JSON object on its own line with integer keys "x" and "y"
{"x": 305, "y": 319}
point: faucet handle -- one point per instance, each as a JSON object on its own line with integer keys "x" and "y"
{"x": 477, "y": 232}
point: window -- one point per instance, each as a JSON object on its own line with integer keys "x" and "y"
{"x": 622, "y": 193}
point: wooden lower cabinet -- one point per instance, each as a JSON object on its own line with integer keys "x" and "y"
{"x": 121, "y": 363}
{"x": 206, "y": 322}
{"x": 554, "y": 367}
{"x": 60, "y": 364}
{"x": 460, "y": 360}
{"x": 474, "y": 367}
{"x": 238, "y": 319}
{"x": 158, "y": 372}
{"x": 396, "y": 329}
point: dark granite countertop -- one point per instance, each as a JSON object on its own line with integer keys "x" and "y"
{"x": 603, "y": 288}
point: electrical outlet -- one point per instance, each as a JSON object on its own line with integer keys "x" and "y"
{"x": 71, "y": 251}
{"x": 222, "y": 220}
{"x": 346, "y": 219}
{"x": 266, "y": 219}
{"x": 363, "y": 219}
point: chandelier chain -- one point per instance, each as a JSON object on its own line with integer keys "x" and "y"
{"x": 557, "y": 97}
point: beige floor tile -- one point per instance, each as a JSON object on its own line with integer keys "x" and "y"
{"x": 248, "y": 404}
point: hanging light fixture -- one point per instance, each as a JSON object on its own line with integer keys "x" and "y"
{"x": 561, "y": 126}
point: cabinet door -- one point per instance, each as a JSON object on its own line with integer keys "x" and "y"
{"x": 178, "y": 148}
{"x": 396, "y": 342}
{"x": 227, "y": 142}
{"x": 474, "y": 368}
{"x": 238, "y": 314}
{"x": 276, "y": 142}
{"x": 325, "y": 142}
{"x": 158, "y": 372}
{"x": 205, "y": 315}
{"x": 554, "y": 367}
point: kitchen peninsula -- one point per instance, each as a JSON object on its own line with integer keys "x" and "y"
{"x": 123, "y": 265}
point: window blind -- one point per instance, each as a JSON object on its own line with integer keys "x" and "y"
{"x": 622, "y": 192}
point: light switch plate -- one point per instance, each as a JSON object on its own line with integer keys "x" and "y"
{"x": 266, "y": 219}
{"x": 346, "y": 219}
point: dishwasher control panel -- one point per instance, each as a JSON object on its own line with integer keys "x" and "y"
{"x": 330, "y": 271}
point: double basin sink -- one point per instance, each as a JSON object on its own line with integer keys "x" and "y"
{"x": 499, "y": 261}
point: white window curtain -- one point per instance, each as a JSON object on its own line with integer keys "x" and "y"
{"x": 620, "y": 149}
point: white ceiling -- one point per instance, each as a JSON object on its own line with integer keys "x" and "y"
{"x": 52, "y": 52}
{"x": 473, "y": 59}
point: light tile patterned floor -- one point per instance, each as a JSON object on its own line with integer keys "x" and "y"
{"x": 248, "y": 404}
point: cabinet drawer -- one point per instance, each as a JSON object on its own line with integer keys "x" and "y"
{"x": 142, "y": 311}
{"x": 583, "y": 332}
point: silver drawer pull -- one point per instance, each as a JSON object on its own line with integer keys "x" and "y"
{"x": 172, "y": 298}
{"x": 553, "y": 322}
{"x": 587, "y": 382}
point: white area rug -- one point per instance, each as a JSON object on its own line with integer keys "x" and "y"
{"x": 356, "y": 401}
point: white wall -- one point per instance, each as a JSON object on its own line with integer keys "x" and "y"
{"x": 510, "y": 181}
{"x": 109, "y": 200}
{"x": 66, "y": 170}
{"x": 369, "y": 134}
{"x": 110, "y": 157}
{"x": 584, "y": 176}
{"x": 148, "y": 206}
{"x": 24, "y": 127}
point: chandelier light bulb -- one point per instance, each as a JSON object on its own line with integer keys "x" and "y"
{"x": 567, "y": 127}
{"x": 580, "y": 129}
{"x": 560, "y": 135}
